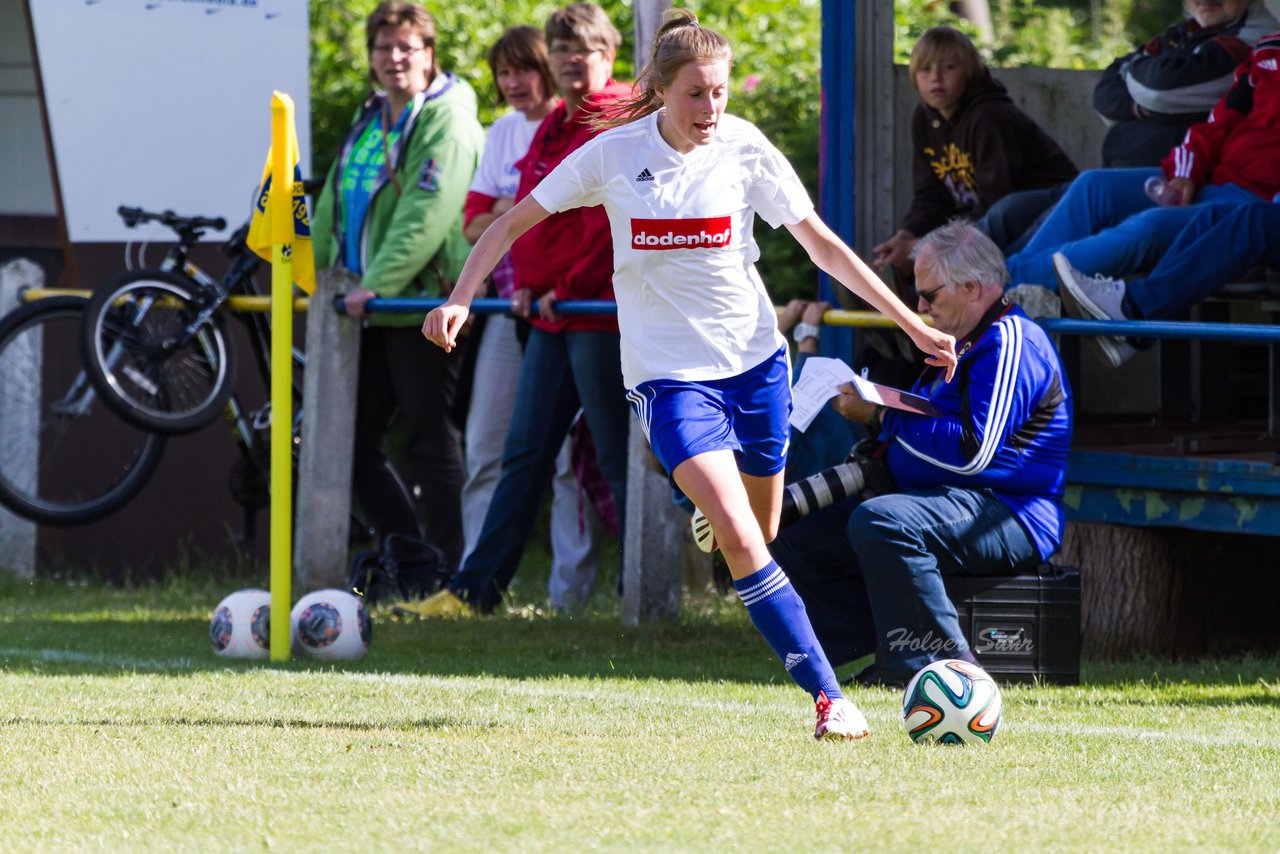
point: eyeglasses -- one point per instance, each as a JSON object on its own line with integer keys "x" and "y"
{"x": 392, "y": 50}
{"x": 565, "y": 51}
{"x": 929, "y": 296}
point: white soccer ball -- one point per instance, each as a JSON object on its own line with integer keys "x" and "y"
{"x": 951, "y": 702}
{"x": 331, "y": 624}
{"x": 241, "y": 625}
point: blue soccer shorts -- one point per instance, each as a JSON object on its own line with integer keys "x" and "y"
{"x": 746, "y": 414}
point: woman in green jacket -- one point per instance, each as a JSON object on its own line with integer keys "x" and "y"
{"x": 391, "y": 212}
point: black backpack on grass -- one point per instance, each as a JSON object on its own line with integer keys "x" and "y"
{"x": 404, "y": 568}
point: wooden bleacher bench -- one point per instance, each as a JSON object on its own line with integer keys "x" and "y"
{"x": 1261, "y": 284}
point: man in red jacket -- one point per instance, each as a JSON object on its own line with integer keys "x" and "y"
{"x": 570, "y": 362}
{"x": 1106, "y": 225}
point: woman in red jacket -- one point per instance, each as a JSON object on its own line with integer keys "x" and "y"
{"x": 570, "y": 362}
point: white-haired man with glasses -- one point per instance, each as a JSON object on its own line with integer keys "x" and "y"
{"x": 977, "y": 489}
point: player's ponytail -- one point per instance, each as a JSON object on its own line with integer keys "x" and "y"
{"x": 679, "y": 41}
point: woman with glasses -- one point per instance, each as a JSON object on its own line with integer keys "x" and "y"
{"x": 522, "y": 72}
{"x": 391, "y": 213}
{"x": 703, "y": 360}
{"x": 571, "y": 362}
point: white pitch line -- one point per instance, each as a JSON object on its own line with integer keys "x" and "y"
{"x": 123, "y": 662}
{"x": 1095, "y": 731}
{"x": 616, "y": 694}
{"x": 606, "y": 691}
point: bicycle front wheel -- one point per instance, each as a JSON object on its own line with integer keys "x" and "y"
{"x": 150, "y": 356}
{"x": 67, "y": 460}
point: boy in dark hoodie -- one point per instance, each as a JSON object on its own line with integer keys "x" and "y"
{"x": 972, "y": 146}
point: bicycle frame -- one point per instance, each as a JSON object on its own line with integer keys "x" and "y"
{"x": 203, "y": 296}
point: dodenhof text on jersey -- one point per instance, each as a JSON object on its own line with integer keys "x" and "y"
{"x": 707, "y": 233}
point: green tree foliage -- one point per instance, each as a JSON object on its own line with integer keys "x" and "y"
{"x": 775, "y": 80}
{"x": 340, "y": 63}
{"x": 1052, "y": 33}
{"x": 776, "y": 44}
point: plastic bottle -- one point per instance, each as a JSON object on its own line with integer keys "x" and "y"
{"x": 1161, "y": 191}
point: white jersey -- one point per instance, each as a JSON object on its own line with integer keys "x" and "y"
{"x": 508, "y": 141}
{"x": 691, "y": 305}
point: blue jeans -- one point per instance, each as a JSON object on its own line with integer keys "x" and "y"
{"x": 561, "y": 373}
{"x": 870, "y": 572}
{"x": 1011, "y": 222}
{"x": 1215, "y": 248}
{"x": 1106, "y": 224}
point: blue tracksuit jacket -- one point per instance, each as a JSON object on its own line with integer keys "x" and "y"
{"x": 1005, "y": 425}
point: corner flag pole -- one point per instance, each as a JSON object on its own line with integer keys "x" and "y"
{"x": 280, "y": 203}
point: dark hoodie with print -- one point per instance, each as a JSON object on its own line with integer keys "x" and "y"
{"x": 986, "y": 150}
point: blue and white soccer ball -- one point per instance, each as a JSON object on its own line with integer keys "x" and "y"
{"x": 331, "y": 624}
{"x": 241, "y": 625}
{"x": 951, "y": 702}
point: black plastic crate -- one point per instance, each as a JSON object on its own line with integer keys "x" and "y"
{"x": 1022, "y": 627}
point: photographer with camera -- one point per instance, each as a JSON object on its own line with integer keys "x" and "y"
{"x": 975, "y": 490}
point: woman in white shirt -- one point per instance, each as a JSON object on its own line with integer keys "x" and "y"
{"x": 704, "y": 364}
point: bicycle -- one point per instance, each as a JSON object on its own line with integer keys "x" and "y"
{"x": 153, "y": 340}
{"x": 140, "y": 303}
{"x": 67, "y": 460}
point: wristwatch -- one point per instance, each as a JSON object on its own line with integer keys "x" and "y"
{"x": 805, "y": 331}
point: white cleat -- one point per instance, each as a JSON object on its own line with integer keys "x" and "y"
{"x": 839, "y": 720}
{"x": 702, "y": 533}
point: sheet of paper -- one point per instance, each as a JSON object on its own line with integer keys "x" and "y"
{"x": 870, "y": 391}
{"x": 820, "y": 380}
{"x": 894, "y": 398}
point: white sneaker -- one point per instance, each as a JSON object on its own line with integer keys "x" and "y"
{"x": 839, "y": 720}
{"x": 1036, "y": 301}
{"x": 1098, "y": 297}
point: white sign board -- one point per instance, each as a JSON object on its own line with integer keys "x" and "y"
{"x": 166, "y": 104}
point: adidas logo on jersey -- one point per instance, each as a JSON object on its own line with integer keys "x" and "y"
{"x": 645, "y": 175}
{"x": 1268, "y": 64}
{"x": 708, "y": 233}
{"x": 794, "y": 658}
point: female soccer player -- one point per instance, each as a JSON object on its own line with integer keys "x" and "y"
{"x": 702, "y": 358}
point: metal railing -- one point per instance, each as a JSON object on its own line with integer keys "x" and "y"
{"x": 871, "y": 319}
{"x": 1175, "y": 329}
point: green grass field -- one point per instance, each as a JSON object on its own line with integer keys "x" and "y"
{"x": 119, "y": 729}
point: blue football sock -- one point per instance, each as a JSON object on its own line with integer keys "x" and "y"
{"x": 779, "y": 614}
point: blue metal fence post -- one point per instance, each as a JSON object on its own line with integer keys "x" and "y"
{"x": 836, "y": 196}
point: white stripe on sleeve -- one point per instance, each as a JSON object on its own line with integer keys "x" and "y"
{"x": 1005, "y": 385}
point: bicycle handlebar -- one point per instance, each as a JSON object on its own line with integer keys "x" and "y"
{"x": 133, "y": 216}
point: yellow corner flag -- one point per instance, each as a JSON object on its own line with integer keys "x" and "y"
{"x": 265, "y": 231}
{"x": 280, "y": 225}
